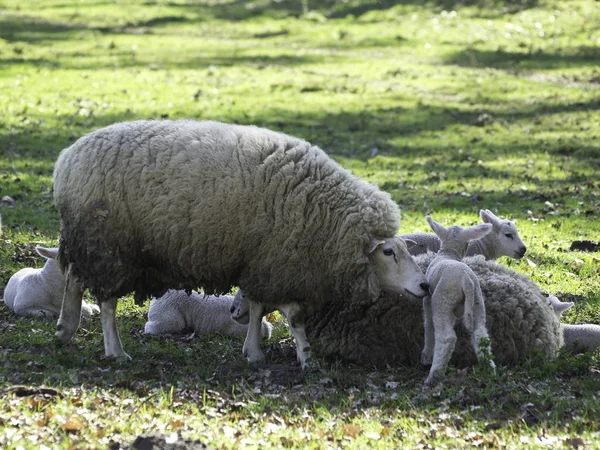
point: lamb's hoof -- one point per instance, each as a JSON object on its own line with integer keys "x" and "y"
{"x": 120, "y": 358}
{"x": 253, "y": 357}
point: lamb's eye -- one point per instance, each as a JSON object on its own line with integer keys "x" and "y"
{"x": 509, "y": 235}
{"x": 388, "y": 252}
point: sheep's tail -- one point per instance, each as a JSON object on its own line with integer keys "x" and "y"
{"x": 469, "y": 292}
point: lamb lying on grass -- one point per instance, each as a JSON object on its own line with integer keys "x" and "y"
{"x": 455, "y": 293}
{"x": 503, "y": 240}
{"x": 578, "y": 338}
{"x": 177, "y": 312}
{"x": 39, "y": 292}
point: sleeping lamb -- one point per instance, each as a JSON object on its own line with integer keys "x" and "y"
{"x": 148, "y": 206}
{"x": 503, "y": 240}
{"x": 39, "y": 292}
{"x": 455, "y": 293}
{"x": 178, "y": 311}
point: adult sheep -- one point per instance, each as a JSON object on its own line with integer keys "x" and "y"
{"x": 147, "y": 206}
{"x": 390, "y": 331}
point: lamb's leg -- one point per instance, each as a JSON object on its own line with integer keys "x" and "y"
{"x": 89, "y": 309}
{"x": 112, "y": 342}
{"x": 70, "y": 312}
{"x": 251, "y": 349}
{"x": 293, "y": 314}
{"x": 480, "y": 334}
{"x": 445, "y": 340}
{"x": 427, "y": 353}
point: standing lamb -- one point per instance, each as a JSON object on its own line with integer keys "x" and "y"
{"x": 391, "y": 330}
{"x": 148, "y": 206}
{"x": 455, "y": 292}
{"x": 178, "y": 311}
{"x": 503, "y": 240}
{"x": 39, "y": 292}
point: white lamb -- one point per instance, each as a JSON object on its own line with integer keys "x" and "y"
{"x": 455, "y": 292}
{"x": 176, "y": 312}
{"x": 583, "y": 337}
{"x": 39, "y": 292}
{"x": 503, "y": 240}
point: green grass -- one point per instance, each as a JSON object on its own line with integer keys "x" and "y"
{"x": 449, "y": 106}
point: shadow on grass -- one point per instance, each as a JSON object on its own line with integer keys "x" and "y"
{"x": 580, "y": 56}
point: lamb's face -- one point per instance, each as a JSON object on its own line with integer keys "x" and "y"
{"x": 396, "y": 269}
{"x": 509, "y": 242}
{"x": 240, "y": 308}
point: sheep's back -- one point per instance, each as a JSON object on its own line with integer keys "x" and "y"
{"x": 151, "y": 205}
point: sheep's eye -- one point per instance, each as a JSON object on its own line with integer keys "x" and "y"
{"x": 388, "y": 252}
{"x": 509, "y": 235}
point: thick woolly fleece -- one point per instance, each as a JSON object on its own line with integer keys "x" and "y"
{"x": 39, "y": 292}
{"x": 148, "y": 206}
{"x": 390, "y": 330}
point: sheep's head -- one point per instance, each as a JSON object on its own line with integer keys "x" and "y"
{"x": 395, "y": 269}
{"x": 505, "y": 234}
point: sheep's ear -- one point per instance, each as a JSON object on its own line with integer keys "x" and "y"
{"x": 373, "y": 244}
{"x": 478, "y": 231}
{"x": 437, "y": 228}
{"x": 409, "y": 243}
{"x": 488, "y": 217}
{"x": 49, "y": 253}
{"x": 562, "y": 306}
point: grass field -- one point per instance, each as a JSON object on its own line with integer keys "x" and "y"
{"x": 449, "y": 106}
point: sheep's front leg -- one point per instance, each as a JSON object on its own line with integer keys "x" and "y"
{"x": 427, "y": 353}
{"x": 292, "y": 313}
{"x": 112, "y": 342}
{"x": 251, "y": 349}
{"x": 70, "y": 312}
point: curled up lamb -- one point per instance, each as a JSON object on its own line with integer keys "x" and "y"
{"x": 455, "y": 293}
{"x": 178, "y": 312}
{"x": 148, "y": 206}
{"x": 39, "y": 292}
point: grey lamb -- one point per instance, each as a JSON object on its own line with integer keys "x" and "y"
{"x": 455, "y": 293}
{"x": 178, "y": 311}
{"x": 148, "y": 206}
{"x": 503, "y": 240}
{"x": 390, "y": 331}
{"x": 39, "y": 292}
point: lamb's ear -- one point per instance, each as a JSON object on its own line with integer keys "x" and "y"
{"x": 373, "y": 244}
{"x": 409, "y": 243}
{"x": 437, "y": 228}
{"x": 488, "y": 217}
{"x": 373, "y": 286}
{"x": 478, "y": 231}
{"x": 49, "y": 253}
{"x": 562, "y": 306}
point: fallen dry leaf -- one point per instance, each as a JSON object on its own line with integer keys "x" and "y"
{"x": 351, "y": 430}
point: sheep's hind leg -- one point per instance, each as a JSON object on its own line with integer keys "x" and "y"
{"x": 292, "y": 313}
{"x": 112, "y": 342}
{"x": 70, "y": 312}
{"x": 251, "y": 349}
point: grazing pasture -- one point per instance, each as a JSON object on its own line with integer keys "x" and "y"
{"x": 449, "y": 106}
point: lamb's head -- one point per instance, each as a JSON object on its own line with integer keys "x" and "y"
{"x": 455, "y": 239}
{"x": 240, "y": 308}
{"x": 557, "y": 306}
{"x": 395, "y": 268}
{"x": 505, "y": 236}
{"x": 51, "y": 267}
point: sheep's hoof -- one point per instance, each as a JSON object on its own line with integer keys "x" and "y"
{"x": 63, "y": 334}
